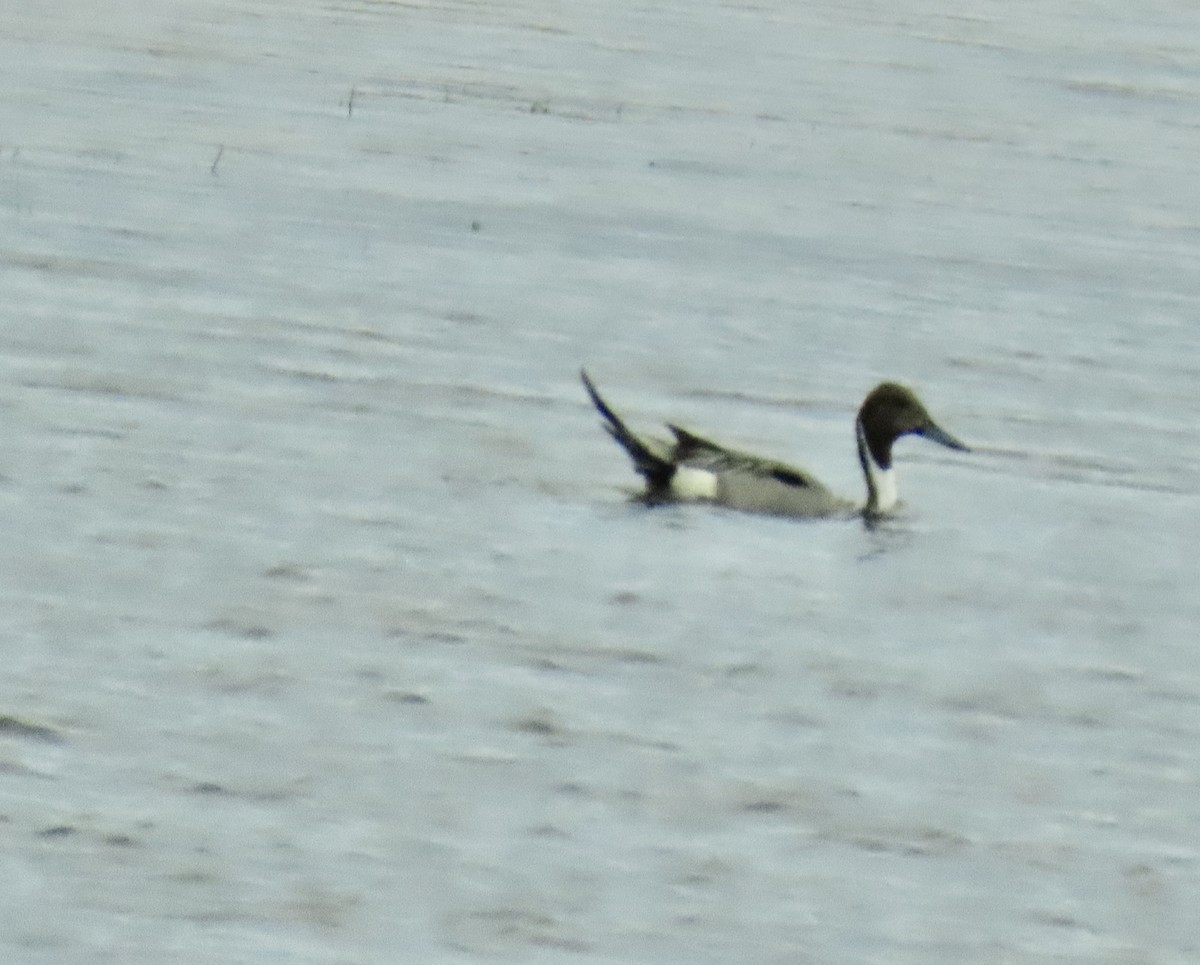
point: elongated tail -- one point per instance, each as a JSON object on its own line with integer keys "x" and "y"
{"x": 656, "y": 468}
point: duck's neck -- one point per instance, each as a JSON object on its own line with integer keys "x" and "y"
{"x": 881, "y": 481}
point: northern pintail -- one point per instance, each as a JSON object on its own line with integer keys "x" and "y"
{"x": 692, "y": 469}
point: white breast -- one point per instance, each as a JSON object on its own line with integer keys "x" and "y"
{"x": 885, "y": 487}
{"x": 881, "y": 482}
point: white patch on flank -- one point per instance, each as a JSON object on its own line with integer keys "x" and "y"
{"x": 693, "y": 484}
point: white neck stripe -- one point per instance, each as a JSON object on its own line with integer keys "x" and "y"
{"x": 881, "y": 483}
{"x": 885, "y": 487}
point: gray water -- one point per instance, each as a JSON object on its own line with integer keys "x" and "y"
{"x": 330, "y": 633}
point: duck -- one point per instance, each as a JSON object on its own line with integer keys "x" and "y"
{"x": 689, "y": 468}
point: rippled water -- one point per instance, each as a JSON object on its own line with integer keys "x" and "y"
{"x": 331, "y": 634}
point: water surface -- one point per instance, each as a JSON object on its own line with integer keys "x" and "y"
{"x": 331, "y": 634}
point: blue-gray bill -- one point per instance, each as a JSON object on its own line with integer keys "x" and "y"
{"x": 935, "y": 433}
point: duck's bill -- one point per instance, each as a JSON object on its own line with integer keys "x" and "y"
{"x": 939, "y": 435}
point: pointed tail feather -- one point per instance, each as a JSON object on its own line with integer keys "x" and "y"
{"x": 657, "y": 470}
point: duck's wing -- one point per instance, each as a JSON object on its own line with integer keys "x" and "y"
{"x": 700, "y": 453}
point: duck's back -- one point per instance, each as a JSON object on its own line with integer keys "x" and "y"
{"x": 754, "y": 484}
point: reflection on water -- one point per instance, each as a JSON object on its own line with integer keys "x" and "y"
{"x": 886, "y": 535}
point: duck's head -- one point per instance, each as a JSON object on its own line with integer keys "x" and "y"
{"x": 890, "y": 411}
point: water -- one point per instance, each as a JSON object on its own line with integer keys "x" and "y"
{"x": 331, "y": 636}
